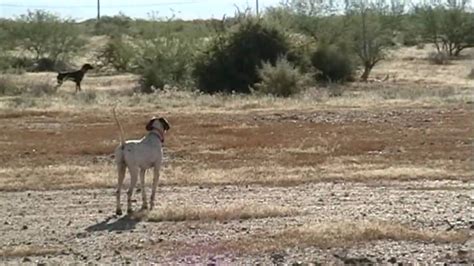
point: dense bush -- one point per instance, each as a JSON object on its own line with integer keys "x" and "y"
{"x": 332, "y": 64}
{"x": 152, "y": 79}
{"x": 231, "y": 62}
{"x": 117, "y": 54}
{"x": 166, "y": 61}
{"x": 281, "y": 79}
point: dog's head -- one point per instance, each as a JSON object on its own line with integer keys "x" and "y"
{"x": 86, "y": 67}
{"x": 158, "y": 123}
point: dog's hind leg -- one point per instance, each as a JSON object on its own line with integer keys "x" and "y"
{"x": 156, "y": 177}
{"x": 121, "y": 167}
{"x": 133, "y": 181}
{"x": 142, "y": 181}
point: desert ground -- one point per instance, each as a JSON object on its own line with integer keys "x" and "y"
{"x": 378, "y": 172}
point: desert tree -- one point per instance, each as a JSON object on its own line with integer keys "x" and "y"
{"x": 46, "y": 35}
{"x": 449, "y": 25}
{"x": 370, "y": 34}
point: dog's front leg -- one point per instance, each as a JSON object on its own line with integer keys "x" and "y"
{"x": 142, "y": 180}
{"x": 156, "y": 176}
{"x": 133, "y": 182}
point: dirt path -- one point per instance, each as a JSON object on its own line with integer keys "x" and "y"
{"x": 77, "y": 225}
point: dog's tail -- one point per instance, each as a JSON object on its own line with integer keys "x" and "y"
{"x": 122, "y": 140}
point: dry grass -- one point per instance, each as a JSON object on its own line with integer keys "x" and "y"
{"x": 373, "y": 95}
{"x": 102, "y": 175}
{"x": 343, "y": 234}
{"x": 219, "y": 213}
{"x": 409, "y": 64}
{"x": 57, "y": 177}
{"x": 29, "y": 251}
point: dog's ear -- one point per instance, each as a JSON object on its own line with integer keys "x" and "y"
{"x": 149, "y": 126}
{"x": 165, "y": 123}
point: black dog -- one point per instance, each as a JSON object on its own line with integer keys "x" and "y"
{"x": 75, "y": 76}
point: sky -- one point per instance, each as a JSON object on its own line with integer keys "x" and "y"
{"x": 85, "y": 9}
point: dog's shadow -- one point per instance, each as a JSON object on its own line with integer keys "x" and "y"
{"x": 125, "y": 223}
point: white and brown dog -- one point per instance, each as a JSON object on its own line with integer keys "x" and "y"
{"x": 138, "y": 156}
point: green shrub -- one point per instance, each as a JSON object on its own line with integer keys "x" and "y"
{"x": 281, "y": 79}
{"x": 118, "y": 54}
{"x": 151, "y": 80}
{"x": 231, "y": 62}
{"x": 166, "y": 61}
{"x": 333, "y": 64}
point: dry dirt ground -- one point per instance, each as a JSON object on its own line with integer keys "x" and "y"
{"x": 340, "y": 185}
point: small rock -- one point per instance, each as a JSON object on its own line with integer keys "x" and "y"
{"x": 463, "y": 253}
{"x": 100, "y": 211}
{"x": 65, "y": 252}
{"x": 81, "y": 235}
{"x": 277, "y": 258}
{"x": 26, "y": 259}
{"x": 24, "y": 227}
{"x": 6, "y": 223}
{"x": 392, "y": 260}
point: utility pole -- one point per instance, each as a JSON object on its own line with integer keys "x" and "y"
{"x": 256, "y": 6}
{"x": 98, "y": 10}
